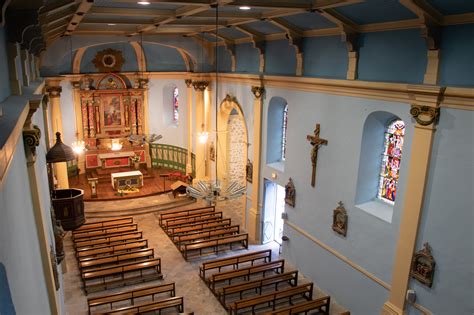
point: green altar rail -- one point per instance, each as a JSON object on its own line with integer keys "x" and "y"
{"x": 171, "y": 157}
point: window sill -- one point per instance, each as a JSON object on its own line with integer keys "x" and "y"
{"x": 377, "y": 208}
{"x": 278, "y": 166}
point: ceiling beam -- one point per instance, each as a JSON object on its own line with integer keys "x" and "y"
{"x": 130, "y": 12}
{"x": 81, "y": 10}
{"x": 56, "y": 7}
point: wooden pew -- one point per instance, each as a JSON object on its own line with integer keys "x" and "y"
{"x": 256, "y": 285}
{"x": 108, "y": 275}
{"x": 194, "y": 219}
{"x": 277, "y": 266}
{"x": 214, "y": 243}
{"x": 130, "y": 296}
{"x": 305, "y": 290}
{"x": 90, "y": 234}
{"x": 101, "y": 224}
{"x": 198, "y": 227}
{"x": 111, "y": 249}
{"x": 172, "y": 302}
{"x": 92, "y": 264}
{"x": 234, "y": 261}
{"x": 185, "y": 239}
{"x": 176, "y": 213}
{"x": 320, "y": 304}
{"x": 108, "y": 240}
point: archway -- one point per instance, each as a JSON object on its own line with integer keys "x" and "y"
{"x": 232, "y": 147}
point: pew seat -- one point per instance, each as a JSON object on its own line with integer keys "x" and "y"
{"x": 320, "y": 304}
{"x": 215, "y": 244}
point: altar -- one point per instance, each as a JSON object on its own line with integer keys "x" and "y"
{"x": 127, "y": 179}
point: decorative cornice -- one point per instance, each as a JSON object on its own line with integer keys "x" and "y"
{"x": 188, "y": 82}
{"x": 425, "y": 115}
{"x": 76, "y": 85}
{"x": 258, "y": 91}
{"x": 54, "y": 91}
{"x": 200, "y": 85}
{"x": 230, "y": 99}
{"x": 31, "y": 139}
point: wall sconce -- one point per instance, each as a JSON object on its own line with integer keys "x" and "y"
{"x": 274, "y": 175}
{"x": 285, "y": 238}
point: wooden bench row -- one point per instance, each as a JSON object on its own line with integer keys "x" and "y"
{"x": 102, "y": 224}
{"x": 130, "y": 296}
{"x": 215, "y": 243}
{"x": 110, "y": 249}
{"x": 234, "y": 261}
{"x": 180, "y": 240}
{"x": 110, "y": 230}
{"x": 108, "y": 240}
{"x": 176, "y": 213}
{"x": 320, "y": 304}
{"x": 192, "y": 219}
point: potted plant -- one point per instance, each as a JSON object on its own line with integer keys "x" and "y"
{"x": 135, "y": 160}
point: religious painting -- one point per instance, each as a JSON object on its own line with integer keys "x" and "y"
{"x": 112, "y": 113}
{"x": 290, "y": 193}
{"x": 392, "y": 155}
{"x": 339, "y": 220}
{"x": 249, "y": 170}
{"x": 422, "y": 266}
{"x": 212, "y": 152}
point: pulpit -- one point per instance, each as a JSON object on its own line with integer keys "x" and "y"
{"x": 68, "y": 207}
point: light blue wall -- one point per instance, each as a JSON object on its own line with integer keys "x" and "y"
{"x": 163, "y": 58}
{"x": 457, "y": 51}
{"x": 128, "y": 54}
{"x": 280, "y": 58}
{"x": 67, "y": 111}
{"x": 4, "y": 77}
{"x": 447, "y": 218}
{"x": 247, "y": 58}
{"x": 19, "y": 250}
{"x": 224, "y": 60}
{"x": 6, "y": 303}
{"x": 325, "y": 57}
{"x": 274, "y": 129}
{"x": 370, "y": 242}
{"x": 396, "y": 56}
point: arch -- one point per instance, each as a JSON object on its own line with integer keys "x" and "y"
{"x": 140, "y": 54}
{"x": 275, "y": 128}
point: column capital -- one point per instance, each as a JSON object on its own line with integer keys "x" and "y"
{"x": 200, "y": 85}
{"x": 425, "y": 115}
{"x": 76, "y": 85}
{"x": 188, "y": 82}
{"x": 31, "y": 139}
{"x": 258, "y": 91}
{"x": 54, "y": 91}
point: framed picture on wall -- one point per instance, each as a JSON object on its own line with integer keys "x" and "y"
{"x": 112, "y": 114}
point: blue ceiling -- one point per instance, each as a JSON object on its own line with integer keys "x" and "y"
{"x": 309, "y": 21}
{"x": 231, "y": 33}
{"x": 447, "y": 7}
{"x": 376, "y": 11}
{"x": 134, "y": 5}
{"x": 264, "y": 27}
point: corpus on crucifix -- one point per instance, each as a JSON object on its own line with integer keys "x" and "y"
{"x": 316, "y": 142}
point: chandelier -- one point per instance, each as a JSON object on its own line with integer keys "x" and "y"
{"x": 213, "y": 190}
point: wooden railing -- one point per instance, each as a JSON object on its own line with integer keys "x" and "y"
{"x": 171, "y": 157}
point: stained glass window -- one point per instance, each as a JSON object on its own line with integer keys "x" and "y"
{"x": 283, "y": 132}
{"x": 175, "y": 105}
{"x": 391, "y": 161}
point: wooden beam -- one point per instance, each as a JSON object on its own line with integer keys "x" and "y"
{"x": 81, "y": 10}
{"x": 130, "y": 12}
{"x": 56, "y": 7}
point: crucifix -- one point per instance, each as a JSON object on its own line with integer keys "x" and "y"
{"x": 316, "y": 142}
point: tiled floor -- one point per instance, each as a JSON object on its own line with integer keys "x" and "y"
{"x": 197, "y": 297}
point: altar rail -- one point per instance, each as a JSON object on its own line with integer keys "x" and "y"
{"x": 171, "y": 157}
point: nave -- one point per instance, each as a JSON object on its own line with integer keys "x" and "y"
{"x": 197, "y": 296}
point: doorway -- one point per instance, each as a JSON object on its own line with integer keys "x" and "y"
{"x": 274, "y": 206}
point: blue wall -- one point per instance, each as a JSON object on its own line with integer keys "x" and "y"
{"x": 128, "y": 54}
{"x": 457, "y": 56}
{"x": 224, "y": 60}
{"x": 396, "y": 56}
{"x": 447, "y": 218}
{"x": 247, "y": 58}
{"x": 280, "y": 58}
{"x": 6, "y": 303}
{"x": 163, "y": 58}
{"x": 325, "y": 57}
{"x": 4, "y": 77}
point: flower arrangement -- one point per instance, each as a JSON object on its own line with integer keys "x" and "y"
{"x": 135, "y": 158}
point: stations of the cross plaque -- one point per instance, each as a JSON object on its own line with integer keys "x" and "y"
{"x": 316, "y": 142}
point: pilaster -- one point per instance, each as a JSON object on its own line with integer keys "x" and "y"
{"x": 13, "y": 57}
{"x": 76, "y": 88}
{"x": 25, "y": 67}
{"x": 425, "y": 111}
{"x": 189, "y": 93}
{"x": 254, "y": 211}
{"x": 200, "y": 149}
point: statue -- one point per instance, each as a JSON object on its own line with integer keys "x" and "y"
{"x": 290, "y": 193}
{"x": 249, "y": 171}
{"x": 58, "y": 237}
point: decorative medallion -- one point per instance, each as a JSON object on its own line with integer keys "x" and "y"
{"x": 249, "y": 171}
{"x": 339, "y": 220}
{"x": 423, "y": 266}
{"x": 108, "y": 60}
{"x": 258, "y": 91}
{"x": 425, "y": 115}
{"x": 212, "y": 152}
{"x": 290, "y": 193}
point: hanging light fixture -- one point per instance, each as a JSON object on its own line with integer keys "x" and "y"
{"x": 60, "y": 152}
{"x": 214, "y": 190}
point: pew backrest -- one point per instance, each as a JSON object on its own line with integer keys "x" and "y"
{"x": 111, "y": 249}
{"x": 100, "y": 224}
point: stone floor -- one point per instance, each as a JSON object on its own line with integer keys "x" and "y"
{"x": 197, "y": 297}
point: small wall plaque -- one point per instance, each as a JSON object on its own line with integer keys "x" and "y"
{"x": 339, "y": 220}
{"x": 249, "y": 170}
{"x": 423, "y": 266}
{"x": 290, "y": 193}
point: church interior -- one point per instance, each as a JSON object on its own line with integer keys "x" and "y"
{"x": 237, "y": 157}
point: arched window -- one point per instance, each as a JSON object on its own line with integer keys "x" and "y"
{"x": 284, "y": 127}
{"x": 391, "y": 159}
{"x": 175, "y": 105}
